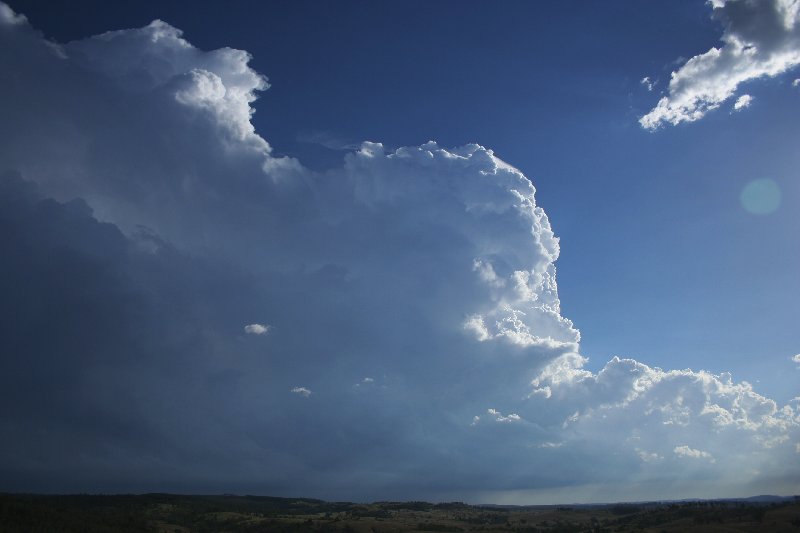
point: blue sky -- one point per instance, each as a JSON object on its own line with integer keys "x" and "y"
{"x": 659, "y": 261}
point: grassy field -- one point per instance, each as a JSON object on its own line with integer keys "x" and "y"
{"x": 167, "y": 513}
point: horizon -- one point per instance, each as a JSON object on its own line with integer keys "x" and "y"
{"x": 759, "y": 498}
{"x": 236, "y": 262}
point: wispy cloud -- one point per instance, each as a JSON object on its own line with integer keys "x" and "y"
{"x": 328, "y": 140}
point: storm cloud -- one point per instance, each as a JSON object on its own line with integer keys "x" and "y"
{"x": 185, "y": 311}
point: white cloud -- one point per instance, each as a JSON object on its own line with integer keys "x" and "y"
{"x": 685, "y": 451}
{"x": 302, "y": 391}
{"x": 498, "y": 416}
{"x": 796, "y": 83}
{"x": 660, "y": 410}
{"x": 366, "y": 382}
{"x": 742, "y": 102}
{"x": 648, "y": 457}
{"x": 761, "y": 39}
{"x": 551, "y": 445}
{"x": 647, "y": 82}
{"x": 476, "y": 325}
{"x": 796, "y": 358}
{"x": 158, "y": 57}
{"x": 487, "y": 274}
{"x": 257, "y": 329}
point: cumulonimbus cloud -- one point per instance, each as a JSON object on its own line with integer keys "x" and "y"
{"x": 132, "y": 166}
{"x": 761, "y": 39}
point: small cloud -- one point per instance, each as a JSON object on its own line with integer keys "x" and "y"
{"x": 680, "y": 60}
{"x": 477, "y": 327}
{"x": 647, "y": 82}
{"x": 302, "y": 391}
{"x": 796, "y": 83}
{"x": 742, "y": 102}
{"x": 648, "y": 457}
{"x": 551, "y": 445}
{"x": 498, "y": 416}
{"x": 796, "y": 358}
{"x": 257, "y": 329}
{"x": 327, "y": 140}
{"x": 475, "y": 420}
{"x": 685, "y": 451}
{"x": 365, "y": 382}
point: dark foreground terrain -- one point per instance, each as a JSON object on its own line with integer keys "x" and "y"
{"x": 173, "y": 513}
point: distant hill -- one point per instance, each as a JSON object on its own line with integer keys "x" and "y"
{"x": 765, "y": 498}
{"x": 175, "y": 513}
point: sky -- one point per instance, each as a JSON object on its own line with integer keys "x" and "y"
{"x": 518, "y": 253}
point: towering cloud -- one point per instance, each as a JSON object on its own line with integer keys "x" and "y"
{"x": 761, "y": 39}
{"x": 174, "y": 293}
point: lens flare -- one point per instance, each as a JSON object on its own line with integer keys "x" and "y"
{"x": 761, "y": 196}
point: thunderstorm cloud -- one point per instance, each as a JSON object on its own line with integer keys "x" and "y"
{"x": 145, "y": 223}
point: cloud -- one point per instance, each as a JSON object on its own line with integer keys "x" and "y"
{"x": 648, "y": 457}
{"x": 742, "y": 102}
{"x": 498, "y": 416}
{"x": 8, "y": 17}
{"x": 327, "y": 140}
{"x": 257, "y": 329}
{"x": 648, "y": 83}
{"x": 796, "y": 83}
{"x": 476, "y": 325}
{"x": 145, "y": 220}
{"x": 796, "y": 358}
{"x": 760, "y": 39}
{"x": 368, "y": 383}
{"x": 685, "y": 451}
{"x": 657, "y": 411}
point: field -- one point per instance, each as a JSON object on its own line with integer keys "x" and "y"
{"x": 167, "y": 513}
